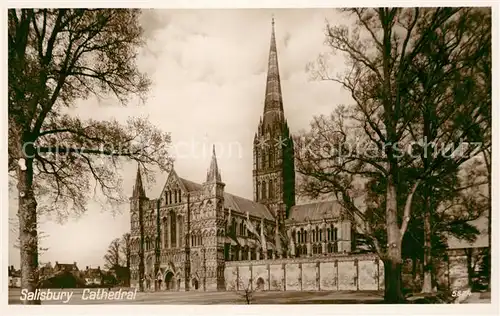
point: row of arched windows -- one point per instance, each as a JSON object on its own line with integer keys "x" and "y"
{"x": 176, "y": 224}
{"x": 236, "y": 253}
{"x": 149, "y": 244}
{"x": 196, "y": 240}
{"x": 267, "y": 189}
{"x": 265, "y": 159}
{"x": 317, "y": 248}
{"x": 173, "y": 196}
{"x": 316, "y": 235}
{"x": 241, "y": 229}
{"x": 148, "y": 220}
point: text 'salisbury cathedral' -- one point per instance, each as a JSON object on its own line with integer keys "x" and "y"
{"x": 197, "y": 236}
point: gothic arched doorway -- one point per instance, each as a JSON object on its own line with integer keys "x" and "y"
{"x": 169, "y": 281}
{"x": 260, "y": 284}
{"x": 195, "y": 284}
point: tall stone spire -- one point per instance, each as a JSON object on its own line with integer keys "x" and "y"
{"x": 273, "y": 104}
{"x": 274, "y": 169}
{"x": 213, "y": 174}
{"x": 138, "y": 187}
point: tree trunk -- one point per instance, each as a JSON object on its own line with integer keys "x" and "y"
{"x": 393, "y": 281}
{"x": 392, "y": 261}
{"x": 427, "y": 285}
{"x": 414, "y": 271}
{"x": 430, "y": 134}
{"x": 141, "y": 247}
{"x": 128, "y": 270}
{"x": 487, "y": 158}
{"x": 470, "y": 266}
{"x": 28, "y": 235}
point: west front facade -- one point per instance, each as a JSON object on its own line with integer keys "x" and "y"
{"x": 197, "y": 236}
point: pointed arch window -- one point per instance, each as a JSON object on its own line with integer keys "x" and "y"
{"x": 259, "y": 196}
{"x": 271, "y": 185}
{"x": 233, "y": 226}
{"x": 173, "y": 229}
{"x": 331, "y": 234}
{"x": 263, "y": 190}
{"x": 165, "y": 233}
{"x": 182, "y": 238}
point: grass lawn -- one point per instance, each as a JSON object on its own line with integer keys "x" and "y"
{"x": 264, "y": 297}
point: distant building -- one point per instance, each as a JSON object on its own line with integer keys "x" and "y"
{"x": 65, "y": 267}
{"x": 92, "y": 276}
{"x": 61, "y": 275}
{"x": 46, "y": 271}
{"x": 14, "y": 277}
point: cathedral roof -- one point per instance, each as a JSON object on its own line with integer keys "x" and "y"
{"x": 190, "y": 185}
{"x": 243, "y": 206}
{"x": 234, "y": 202}
{"x": 315, "y": 211}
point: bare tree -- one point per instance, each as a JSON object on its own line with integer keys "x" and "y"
{"x": 113, "y": 257}
{"x": 56, "y": 57}
{"x": 126, "y": 252}
{"x": 371, "y": 138}
{"x": 244, "y": 291}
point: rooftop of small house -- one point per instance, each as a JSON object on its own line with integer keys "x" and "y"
{"x": 13, "y": 272}
{"x": 90, "y": 272}
{"x": 65, "y": 266}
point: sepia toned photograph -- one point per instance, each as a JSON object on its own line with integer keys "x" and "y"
{"x": 250, "y": 156}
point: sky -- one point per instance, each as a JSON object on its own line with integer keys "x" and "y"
{"x": 208, "y": 69}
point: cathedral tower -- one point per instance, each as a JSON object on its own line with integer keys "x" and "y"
{"x": 274, "y": 170}
{"x": 213, "y": 228}
{"x": 138, "y": 204}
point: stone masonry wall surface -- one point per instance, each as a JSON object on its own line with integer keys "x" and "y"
{"x": 329, "y": 273}
{"x": 341, "y": 272}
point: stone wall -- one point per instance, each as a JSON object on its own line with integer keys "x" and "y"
{"x": 331, "y": 273}
{"x": 452, "y": 271}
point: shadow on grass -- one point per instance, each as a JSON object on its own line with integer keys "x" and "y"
{"x": 329, "y": 301}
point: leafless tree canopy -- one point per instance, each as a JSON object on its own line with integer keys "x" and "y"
{"x": 126, "y": 249}
{"x": 420, "y": 79}
{"x": 112, "y": 258}
{"x": 56, "y": 57}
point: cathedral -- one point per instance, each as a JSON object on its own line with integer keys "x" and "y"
{"x": 182, "y": 239}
